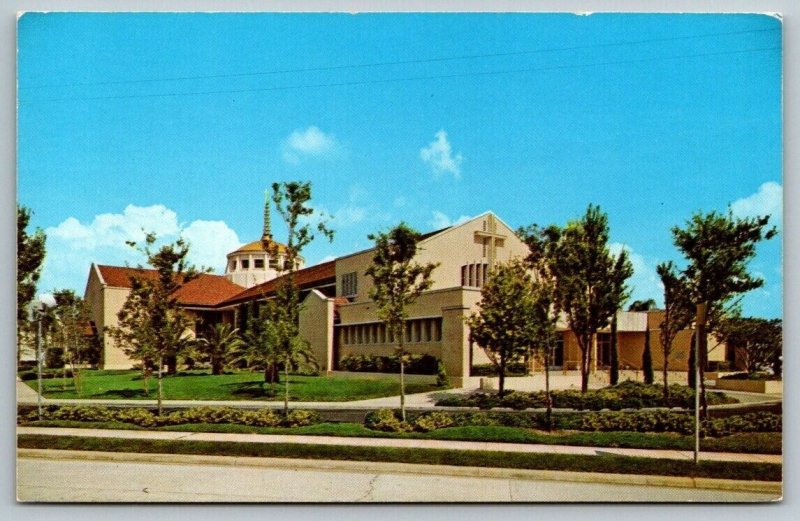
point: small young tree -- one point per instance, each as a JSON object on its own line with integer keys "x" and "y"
{"x": 503, "y": 327}
{"x": 398, "y": 282}
{"x": 69, "y": 332}
{"x": 292, "y": 202}
{"x": 544, "y": 310}
{"x": 150, "y": 323}
{"x": 217, "y": 343}
{"x": 259, "y": 347}
{"x": 678, "y": 315}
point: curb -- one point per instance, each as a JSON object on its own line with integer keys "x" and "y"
{"x": 766, "y": 487}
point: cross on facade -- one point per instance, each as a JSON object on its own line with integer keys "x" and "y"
{"x": 490, "y": 236}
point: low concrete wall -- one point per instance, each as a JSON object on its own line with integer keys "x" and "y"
{"x": 751, "y": 386}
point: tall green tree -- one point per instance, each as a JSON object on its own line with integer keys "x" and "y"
{"x": 678, "y": 314}
{"x": 504, "y": 328}
{"x": 397, "y": 283}
{"x": 217, "y": 343}
{"x": 292, "y": 202}
{"x": 647, "y": 355}
{"x": 30, "y": 256}
{"x": 718, "y": 248}
{"x": 151, "y": 324}
{"x": 590, "y": 281}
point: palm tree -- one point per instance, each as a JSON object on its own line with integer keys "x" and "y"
{"x": 217, "y": 343}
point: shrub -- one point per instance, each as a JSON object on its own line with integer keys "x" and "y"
{"x": 512, "y": 369}
{"x": 386, "y": 420}
{"x": 432, "y": 421}
{"x": 626, "y": 395}
{"x": 417, "y": 364}
{"x": 758, "y": 375}
{"x": 442, "y": 379}
{"x": 301, "y": 418}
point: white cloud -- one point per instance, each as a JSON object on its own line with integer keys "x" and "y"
{"x": 72, "y": 246}
{"x": 110, "y": 229}
{"x": 441, "y": 220}
{"x": 309, "y": 143}
{"x": 439, "y": 156}
{"x": 644, "y": 283}
{"x": 768, "y": 200}
{"x": 210, "y": 242}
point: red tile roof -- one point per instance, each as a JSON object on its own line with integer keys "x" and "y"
{"x": 304, "y": 279}
{"x": 206, "y": 290}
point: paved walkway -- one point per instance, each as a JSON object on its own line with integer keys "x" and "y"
{"x": 400, "y": 443}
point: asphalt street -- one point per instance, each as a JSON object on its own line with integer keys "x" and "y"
{"x": 74, "y": 478}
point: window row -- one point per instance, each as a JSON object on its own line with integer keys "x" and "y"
{"x": 258, "y": 264}
{"x": 474, "y": 275}
{"x": 418, "y": 330}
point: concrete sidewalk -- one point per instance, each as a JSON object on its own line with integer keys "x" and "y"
{"x": 401, "y": 443}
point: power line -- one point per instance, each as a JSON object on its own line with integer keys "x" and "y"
{"x": 400, "y": 62}
{"x": 395, "y": 80}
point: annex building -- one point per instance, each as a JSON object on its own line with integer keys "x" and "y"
{"x": 339, "y": 319}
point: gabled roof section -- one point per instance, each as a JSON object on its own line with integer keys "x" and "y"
{"x": 304, "y": 279}
{"x": 206, "y": 290}
{"x": 479, "y": 216}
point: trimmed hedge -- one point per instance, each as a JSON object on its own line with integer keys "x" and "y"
{"x": 758, "y": 376}
{"x": 626, "y": 395}
{"x": 513, "y": 369}
{"x": 146, "y": 418}
{"x": 388, "y": 420}
{"x": 417, "y": 364}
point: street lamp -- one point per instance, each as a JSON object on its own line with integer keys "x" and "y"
{"x": 35, "y": 311}
{"x": 700, "y": 320}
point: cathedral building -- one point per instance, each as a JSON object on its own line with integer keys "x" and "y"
{"x": 338, "y": 318}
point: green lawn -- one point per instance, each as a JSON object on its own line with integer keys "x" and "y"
{"x": 199, "y": 385}
{"x": 605, "y": 463}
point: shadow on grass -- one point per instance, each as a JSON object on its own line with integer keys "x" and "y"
{"x": 251, "y": 390}
{"x": 126, "y": 393}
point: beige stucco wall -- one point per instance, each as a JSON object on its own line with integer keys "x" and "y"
{"x": 316, "y": 327}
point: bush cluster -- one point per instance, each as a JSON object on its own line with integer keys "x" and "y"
{"x": 32, "y": 374}
{"x": 417, "y": 364}
{"x": 146, "y": 418}
{"x": 388, "y": 420}
{"x": 626, "y": 395}
{"x": 636, "y": 421}
{"x": 513, "y": 369}
{"x": 758, "y": 375}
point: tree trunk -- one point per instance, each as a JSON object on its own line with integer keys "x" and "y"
{"x": 548, "y": 398}
{"x": 692, "y": 354}
{"x": 160, "y": 388}
{"x": 502, "y": 377}
{"x": 613, "y": 372}
{"x": 665, "y": 374}
{"x": 286, "y": 389}
{"x": 402, "y": 388}
{"x": 216, "y": 366}
{"x": 586, "y": 359}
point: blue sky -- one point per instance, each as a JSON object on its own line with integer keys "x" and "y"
{"x": 178, "y": 122}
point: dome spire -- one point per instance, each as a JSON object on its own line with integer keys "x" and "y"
{"x": 267, "y": 235}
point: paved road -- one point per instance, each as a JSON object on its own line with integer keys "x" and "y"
{"x": 71, "y": 477}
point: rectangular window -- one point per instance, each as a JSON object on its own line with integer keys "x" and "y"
{"x": 349, "y": 284}
{"x": 273, "y": 263}
{"x": 437, "y": 330}
{"x": 408, "y": 331}
{"x": 463, "y": 275}
{"x": 233, "y": 265}
{"x": 245, "y": 264}
{"x": 258, "y": 264}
